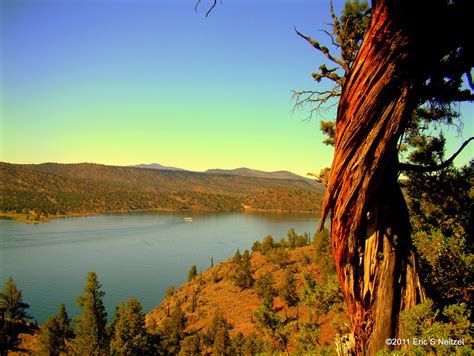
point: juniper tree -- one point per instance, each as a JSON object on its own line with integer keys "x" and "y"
{"x": 404, "y": 63}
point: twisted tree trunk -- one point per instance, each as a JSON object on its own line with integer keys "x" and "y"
{"x": 370, "y": 230}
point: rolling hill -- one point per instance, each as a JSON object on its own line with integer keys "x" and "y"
{"x": 55, "y": 188}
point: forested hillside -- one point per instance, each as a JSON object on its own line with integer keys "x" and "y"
{"x": 50, "y": 188}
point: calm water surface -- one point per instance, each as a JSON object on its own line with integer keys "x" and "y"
{"x": 138, "y": 254}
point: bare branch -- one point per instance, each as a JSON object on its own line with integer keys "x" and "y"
{"x": 316, "y": 99}
{"x": 426, "y": 169}
{"x": 335, "y": 20}
{"x": 324, "y": 50}
{"x": 211, "y": 8}
{"x": 197, "y": 5}
{"x": 331, "y": 36}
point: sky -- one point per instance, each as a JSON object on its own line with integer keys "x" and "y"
{"x": 124, "y": 82}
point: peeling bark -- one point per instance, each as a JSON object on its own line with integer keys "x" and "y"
{"x": 370, "y": 230}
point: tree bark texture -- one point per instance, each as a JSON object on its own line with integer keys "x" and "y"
{"x": 370, "y": 229}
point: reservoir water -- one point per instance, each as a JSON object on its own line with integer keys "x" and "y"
{"x": 136, "y": 254}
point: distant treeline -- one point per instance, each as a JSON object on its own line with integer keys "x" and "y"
{"x": 51, "y": 189}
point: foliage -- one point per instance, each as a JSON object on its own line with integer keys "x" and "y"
{"x": 243, "y": 275}
{"x": 217, "y": 335}
{"x": 170, "y": 290}
{"x": 173, "y": 330}
{"x": 191, "y": 345}
{"x": 55, "y": 332}
{"x": 287, "y": 200}
{"x": 277, "y": 329}
{"x": 129, "y": 334}
{"x": 192, "y": 273}
{"x": 346, "y": 36}
{"x": 268, "y": 245}
{"x": 288, "y": 290}
{"x": 424, "y": 322}
{"x": 322, "y": 296}
{"x": 14, "y": 315}
{"x": 442, "y": 218}
{"x": 237, "y": 257}
{"x": 323, "y": 254}
{"x": 308, "y": 337}
{"x": 264, "y": 287}
{"x": 279, "y": 256}
{"x": 91, "y": 336}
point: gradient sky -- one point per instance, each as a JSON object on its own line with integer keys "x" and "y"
{"x": 128, "y": 82}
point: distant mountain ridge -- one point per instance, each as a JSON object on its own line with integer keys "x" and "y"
{"x": 157, "y": 166}
{"x": 247, "y": 172}
{"x": 242, "y": 171}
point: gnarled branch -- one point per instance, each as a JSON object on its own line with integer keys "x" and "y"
{"x": 318, "y": 99}
{"x": 433, "y": 168}
{"x": 324, "y": 50}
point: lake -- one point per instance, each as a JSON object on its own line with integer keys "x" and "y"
{"x": 136, "y": 254}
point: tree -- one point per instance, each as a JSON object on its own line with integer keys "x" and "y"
{"x": 192, "y": 273}
{"x": 55, "y": 332}
{"x": 13, "y": 315}
{"x": 243, "y": 275}
{"x": 401, "y": 63}
{"x": 91, "y": 336}
{"x": 411, "y": 53}
{"x": 217, "y": 335}
{"x": 406, "y": 62}
{"x": 129, "y": 334}
{"x": 264, "y": 286}
{"x": 173, "y": 330}
{"x": 288, "y": 290}
{"x": 277, "y": 329}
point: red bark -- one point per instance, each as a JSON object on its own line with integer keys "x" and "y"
{"x": 370, "y": 230}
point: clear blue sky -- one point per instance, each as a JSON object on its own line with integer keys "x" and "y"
{"x": 127, "y": 82}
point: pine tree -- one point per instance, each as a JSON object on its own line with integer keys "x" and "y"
{"x": 13, "y": 315}
{"x": 12, "y": 303}
{"x": 243, "y": 276}
{"x": 237, "y": 257}
{"x": 173, "y": 331}
{"x": 91, "y": 336}
{"x": 217, "y": 336}
{"x": 129, "y": 334}
{"x": 55, "y": 332}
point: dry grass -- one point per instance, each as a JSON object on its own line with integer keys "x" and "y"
{"x": 237, "y": 305}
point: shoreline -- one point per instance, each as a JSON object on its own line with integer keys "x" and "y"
{"x": 30, "y": 219}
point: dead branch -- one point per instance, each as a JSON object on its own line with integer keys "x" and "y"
{"x": 208, "y": 10}
{"x": 433, "y": 168}
{"x": 324, "y": 50}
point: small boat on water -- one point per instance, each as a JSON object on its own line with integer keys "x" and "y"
{"x": 188, "y": 219}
